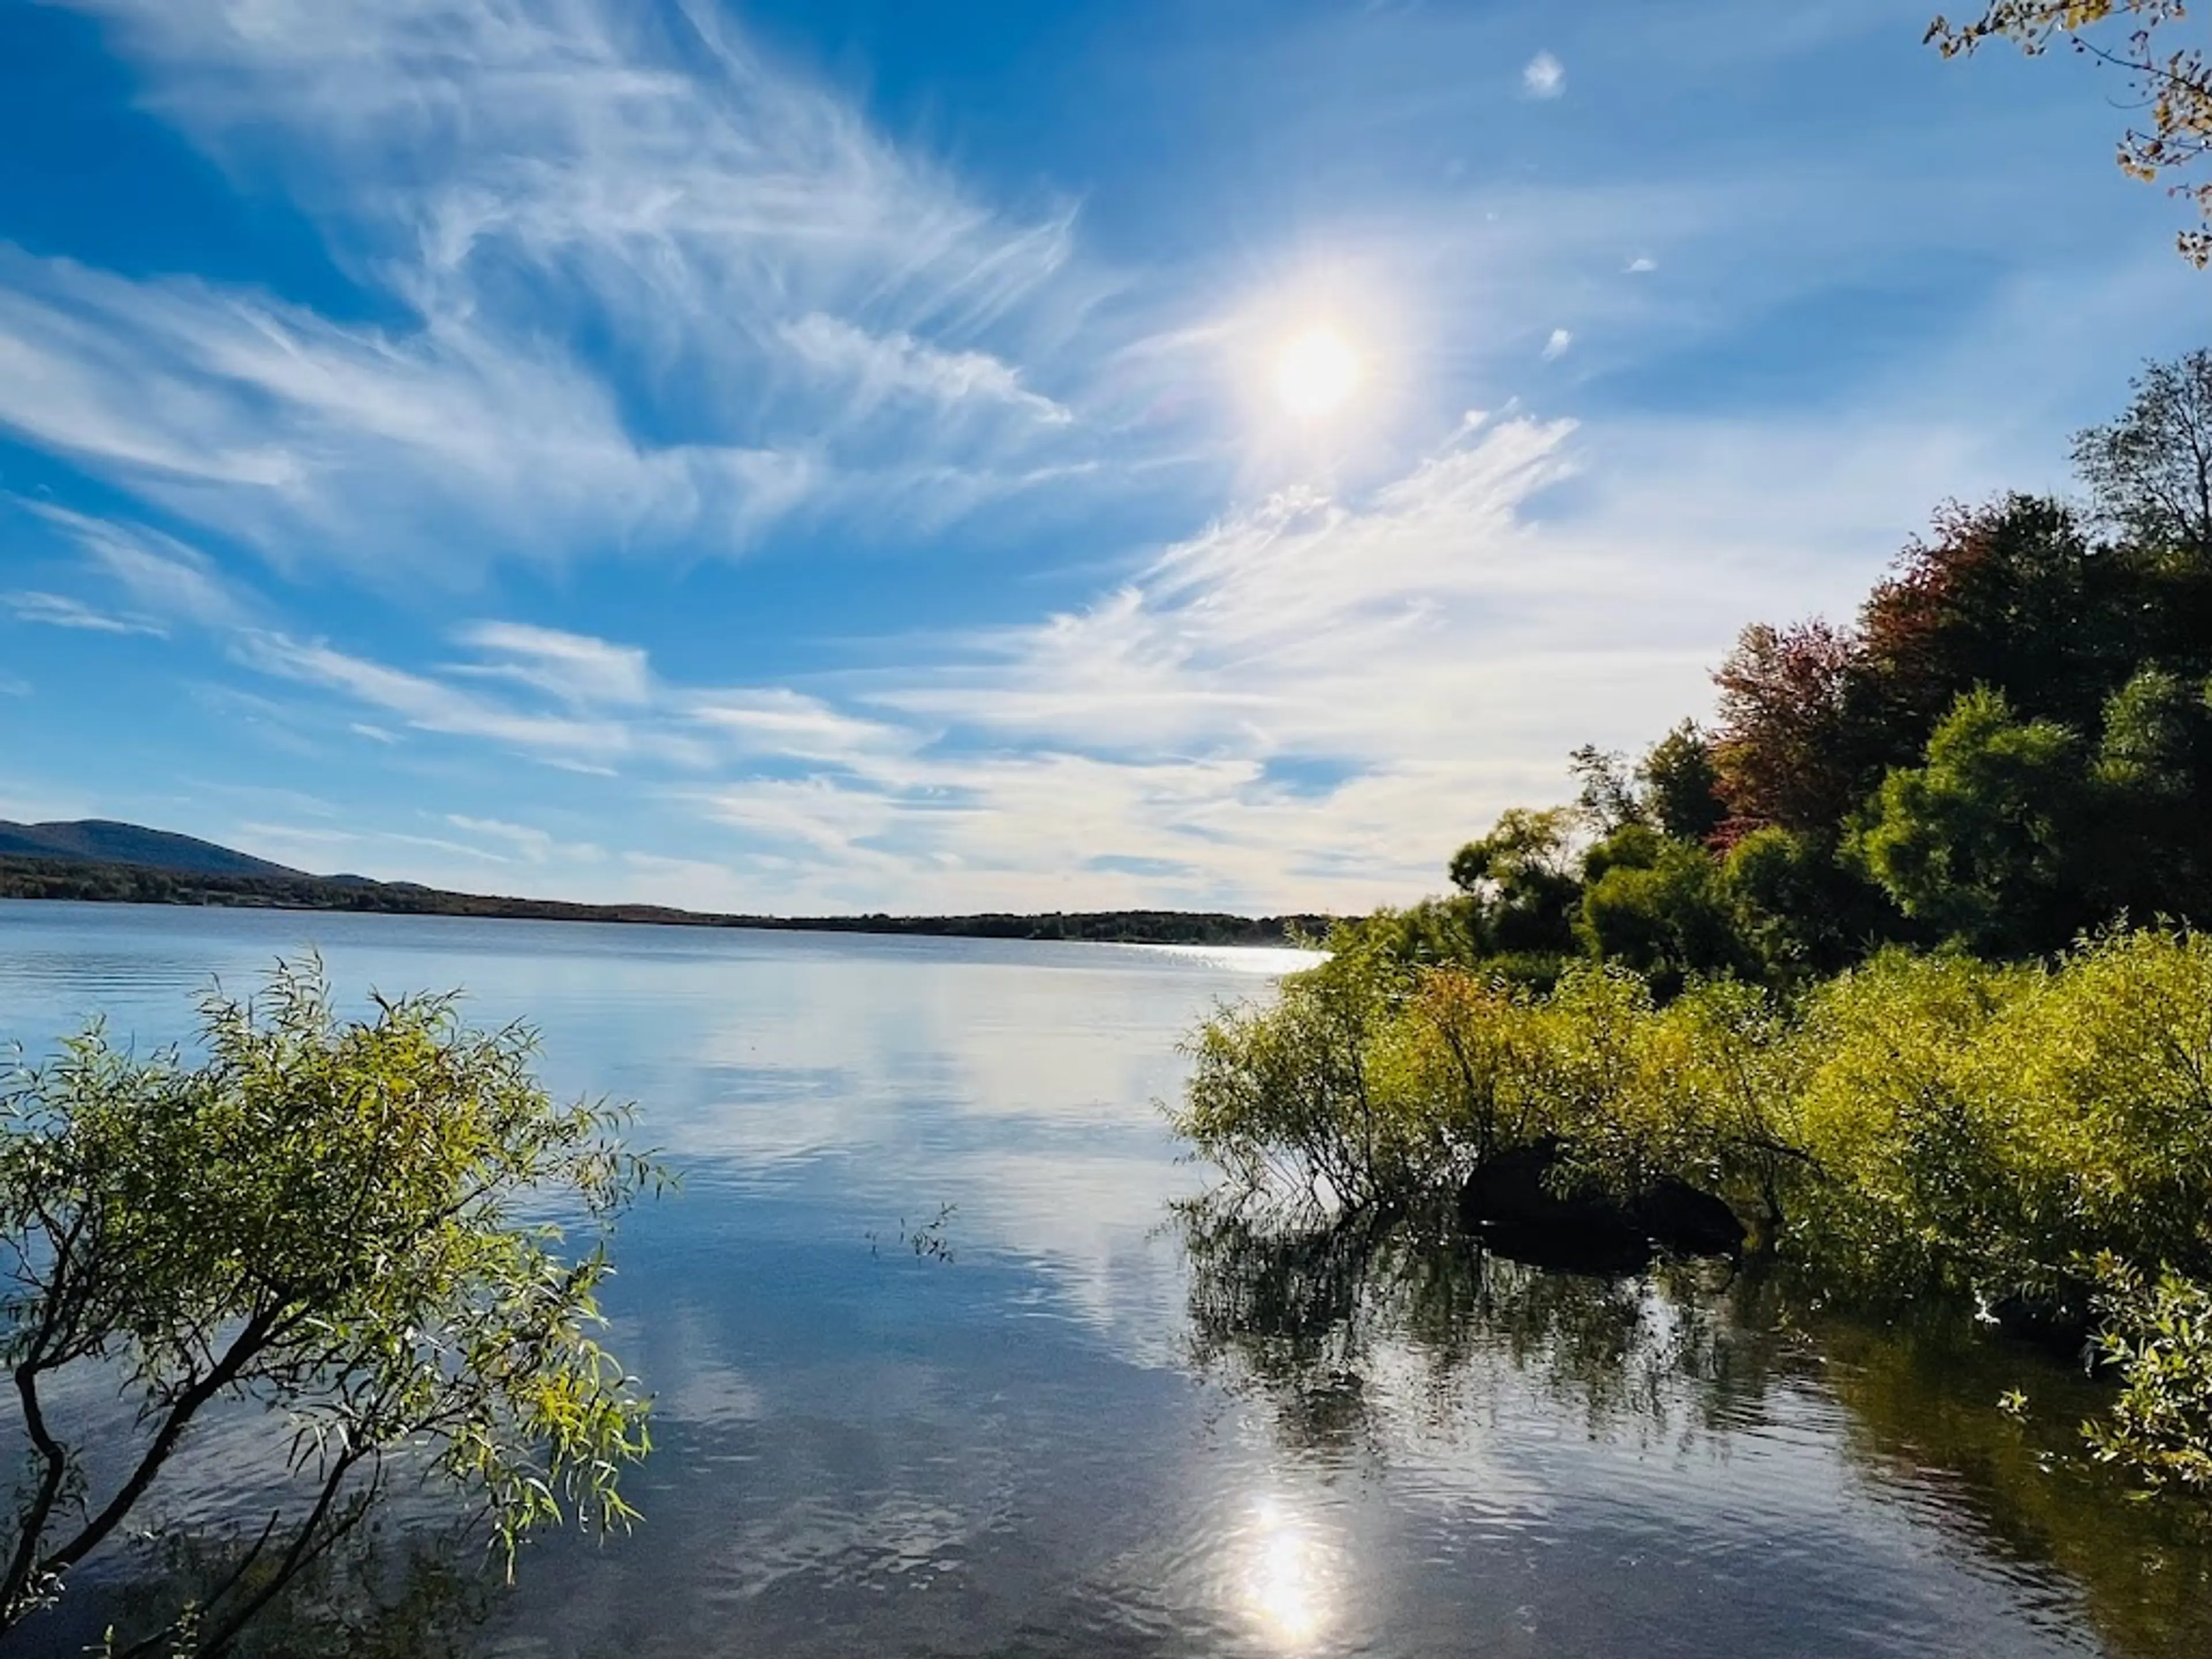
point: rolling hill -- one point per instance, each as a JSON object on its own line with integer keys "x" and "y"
{"x": 103, "y": 841}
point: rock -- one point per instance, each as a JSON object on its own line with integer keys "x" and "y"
{"x": 1515, "y": 1200}
{"x": 1518, "y": 1189}
{"x": 2058, "y": 1322}
{"x": 1684, "y": 1221}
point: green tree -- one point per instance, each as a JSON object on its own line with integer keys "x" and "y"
{"x": 1522, "y": 878}
{"x": 2150, "y": 471}
{"x": 1984, "y": 840}
{"x": 2155, "y": 819}
{"x": 340, "y": 1220}
{"x": 1681, "y": 786}
{"x": 1669, "y": 921}
{"x": 1631, "y": 847}
{"x": 1801, "y": 909}
{"x": 2175, "y": 84}
{"x": 2155, "y": 736}
{"x": 1607, "y": 793}
{"x": 1674, "y": 789}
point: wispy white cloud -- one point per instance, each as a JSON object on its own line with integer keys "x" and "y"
{"x": 1543, "y": 77}
{"x": 429, "y": 704}
{"x": 534, "y": 846}
{"x": 60, "y": 611}
{"x": 1256, "y": 626}
{"x": 580, "y": 703}
{"x": 1555, "y": 347}
{"x": 574, "y": 667}
{"x": 779, "y": 277}
{"x": 599, "y": 143}
{"x": 779, "y": 721}
{"x": 268, "y": 423}
{"x": 162, "y": 575}
{"x": 880, "y": 367}
{"x": 1642, "y": 264}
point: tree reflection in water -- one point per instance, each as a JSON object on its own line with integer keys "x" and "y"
{"x": 1387, "y": 1340}
{"x": 1308, "y": 1316}
{"x": 1370, "y": 1336}
{"x": 418, "y": 1592}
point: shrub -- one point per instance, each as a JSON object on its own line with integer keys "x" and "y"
{"x": 339, "y": 1219}
{"x": 1924, "y": 1121}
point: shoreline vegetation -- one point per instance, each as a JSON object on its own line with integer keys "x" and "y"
{"x": 1893, "y": 977}
{"x": 382, "y": 1232}
{"x": 114, "y": 882}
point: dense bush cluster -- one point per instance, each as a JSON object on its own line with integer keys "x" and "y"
{"x": 2034, "y": 1134}
{"x": 348, "y": 1224}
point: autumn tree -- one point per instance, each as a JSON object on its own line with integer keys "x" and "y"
{"x": 2011, "y": 595}
{"x": 1785, "y": 750}
{"x": 2172, "y": 82}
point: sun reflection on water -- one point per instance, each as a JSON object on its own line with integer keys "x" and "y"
{"x": 1288, "y": 1577}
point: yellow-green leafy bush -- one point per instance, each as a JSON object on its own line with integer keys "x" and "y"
{"x": 2041, "y": 1131}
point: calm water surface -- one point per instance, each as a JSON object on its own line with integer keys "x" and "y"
{"x": 1102, "y": 1429}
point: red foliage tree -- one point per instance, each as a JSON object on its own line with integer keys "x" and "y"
{"x": 2010, "y": 596}
{"x": 1785, "y": 750}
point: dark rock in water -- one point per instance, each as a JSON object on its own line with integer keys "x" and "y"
{"x": 2056, "y": 1321}
{"x": 1517, "y": 1201}
{"x": 1521, "y": 1188}
{"x": 1679, "y": 1218}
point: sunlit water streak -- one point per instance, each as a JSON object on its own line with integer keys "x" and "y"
{"x": 1040, "y": 1447}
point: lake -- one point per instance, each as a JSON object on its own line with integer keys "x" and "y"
{"x": 1080, "y": 1423}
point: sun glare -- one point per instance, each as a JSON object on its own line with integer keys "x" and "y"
{"x": 1288, "y": 1579}
{"x": 1315, "y": 373}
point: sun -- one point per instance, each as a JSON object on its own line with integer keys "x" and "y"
{"x": 1315, "y": 373}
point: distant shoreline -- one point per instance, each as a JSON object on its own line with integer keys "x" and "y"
{"x": 105, "y": 882}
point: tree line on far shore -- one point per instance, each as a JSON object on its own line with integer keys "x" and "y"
{"x": 101, "y": 882}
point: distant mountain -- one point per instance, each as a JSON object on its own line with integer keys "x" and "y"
{"x": 102, "y": 840}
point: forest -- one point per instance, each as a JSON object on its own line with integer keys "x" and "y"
{"x": 2009, "y": 745}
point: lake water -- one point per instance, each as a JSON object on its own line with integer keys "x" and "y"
{"x": 1100, "y": 1430}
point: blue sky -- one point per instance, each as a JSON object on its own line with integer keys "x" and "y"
{"x": 823, "y": 457}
